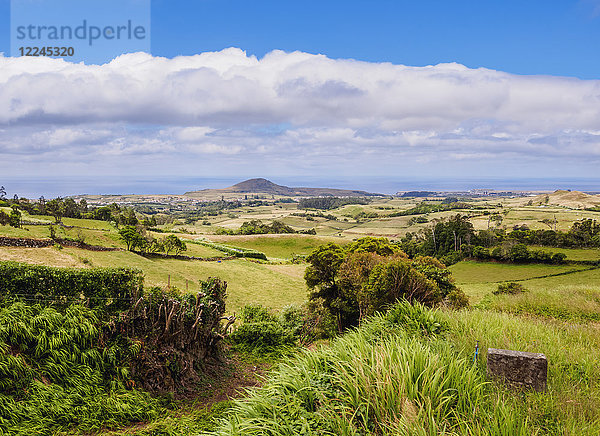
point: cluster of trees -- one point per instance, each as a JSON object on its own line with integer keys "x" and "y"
{"x": 368, "y": 275}
{"x": 312, "y": 216}
{"x": 327, "y": 203}
{"x": 60, "y": 208}
{"x": 454, "y": 238}
{"x": 412, "y": 194}
{"x": 427, "y": 207}
{"x": 137, "y": 239}
{"x": 584, "y": 233}
{"x": 444, "y": 238}
{"x": 257, "y": 227}
{"x": 513, "y": 252}
{"x": 57, "y": 207}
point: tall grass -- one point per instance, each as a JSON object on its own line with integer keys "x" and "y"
{"x": 576, "y": 303}
{"x": 53, "y": 375}
{"x": 379, "y": 379}
{"x": 572, "y": 404}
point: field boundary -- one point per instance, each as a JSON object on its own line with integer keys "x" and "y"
{"x": 7, "y": 241}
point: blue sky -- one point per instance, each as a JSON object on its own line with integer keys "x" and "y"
{"x": 271, "y": 88}
{"x": 532, "y": 37}
{"x": 523, "y": 37}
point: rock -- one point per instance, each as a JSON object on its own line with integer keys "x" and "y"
{"x": 518, "y": 368}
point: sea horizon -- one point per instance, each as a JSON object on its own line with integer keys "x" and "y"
{"x": 50, "y": 187}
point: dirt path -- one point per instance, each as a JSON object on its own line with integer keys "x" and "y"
{"x": 225, "y": 381}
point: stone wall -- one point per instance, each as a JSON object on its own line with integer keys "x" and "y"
{"x": 6, "y": 241}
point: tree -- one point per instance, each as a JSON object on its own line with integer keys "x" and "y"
{"x": 320, "y": 277}
{"x": 2, "y": 193}
{"x": 395, "y": 280}
{"x": 4, "y": 218}
{"x": 447, "y": 236}
{"x": 131, "y": 237}
{"x": 56, "y": 208}
{"x": 173, "y": 243}
{"x": 496, "y": 218}
{"x": 15, "y": 217}
{"x": 336, "y": 275}
{"x": 380, "y": 246}
{"x": 153, "y": 245}
{"x": 353, "y": 275}
{"x": 42, "y": 205}
{"x": 103, "y": 213}
{"x": 519, "y": 253}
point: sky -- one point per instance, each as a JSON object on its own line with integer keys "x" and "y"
{"x": 316, "y": 89}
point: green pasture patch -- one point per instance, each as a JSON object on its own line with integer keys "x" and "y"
{"x": 276, "y": 246}
{"x": 572, "y": 302}
{"x": 197, "y": 250}
{"x": 247, "y": 281}
{"x": 468, "y": 272}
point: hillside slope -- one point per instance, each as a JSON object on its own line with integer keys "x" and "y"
{"x": 573, "y": 199}
{"x": 264, "y": 186}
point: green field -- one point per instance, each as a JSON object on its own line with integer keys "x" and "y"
{"x": 277, "y": 246}
{"x": 248, "y": 282}
{"x": 471, "y": 272}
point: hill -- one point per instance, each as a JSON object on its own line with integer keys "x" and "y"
{"x": 572, "y": 199}
{"x": 264, "y": 186}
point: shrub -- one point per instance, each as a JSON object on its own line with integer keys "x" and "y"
{"x": 232, "y": 251}
{"x": 457, "y": 299}
{"x": 509, "y": 288}
{"x": 261, "y": 337}
{"x": 559, "y": 258}
{"x": 4, "y": 218}
{"x": 293, "y": 318}
{"x": 480, "y": 252}
{"x": 451, "y": 258}
{"x": 254, "y": 313}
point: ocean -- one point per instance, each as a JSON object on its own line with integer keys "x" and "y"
{"x": 50, "y": 187}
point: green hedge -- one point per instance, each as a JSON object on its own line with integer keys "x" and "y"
{"x": 112, "y": 289}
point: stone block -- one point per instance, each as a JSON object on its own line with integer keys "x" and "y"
{"x": 518, "y": 368}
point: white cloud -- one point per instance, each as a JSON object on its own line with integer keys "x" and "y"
{"x": 289, "y": 107}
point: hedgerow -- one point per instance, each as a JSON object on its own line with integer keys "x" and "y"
{"x": 111, "y": 289}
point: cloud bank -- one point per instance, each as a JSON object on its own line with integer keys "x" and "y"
{"x": 295, "y": 111}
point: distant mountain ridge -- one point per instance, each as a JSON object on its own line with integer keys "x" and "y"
{"x": 264, "y": 186}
